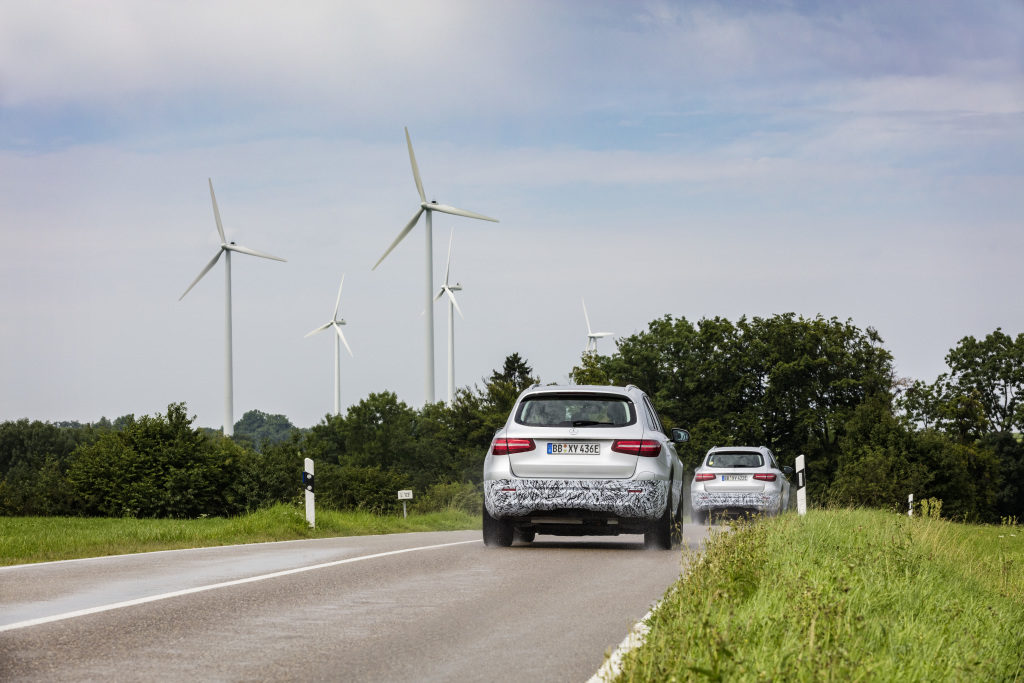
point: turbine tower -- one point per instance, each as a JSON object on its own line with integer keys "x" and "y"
{"x": 336, "y": 323}
{"x": 453, "y": 306}
{"x": 592, "y": 336}
{"x": 429, "y": 208}
{"x": 225, "y": 249}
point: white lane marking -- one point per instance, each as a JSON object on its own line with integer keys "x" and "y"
{"x": 612, "y": 666}
{"x": 224, "y": 584}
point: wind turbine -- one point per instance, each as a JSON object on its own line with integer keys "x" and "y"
{"x": 225, "y": 249}
{"x": 453, "y": 306}
{"x": 336, "y": 323}
{"x": 592, "y": 336}
{"x": 429, "y": 208}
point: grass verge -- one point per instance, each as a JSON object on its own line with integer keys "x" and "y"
{"x": 42, "y": 539}
{"x": 843, "y": 595}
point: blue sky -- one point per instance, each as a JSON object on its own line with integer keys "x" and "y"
{"x": 857, "y": 160}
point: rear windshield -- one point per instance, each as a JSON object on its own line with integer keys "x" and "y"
{"x": 576, "y": 410}
{"x": 735, "y": 459}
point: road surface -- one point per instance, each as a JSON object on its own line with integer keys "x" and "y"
{"x": 405, "y": 607}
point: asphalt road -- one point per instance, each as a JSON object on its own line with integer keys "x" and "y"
{"x": 407, "y": 607}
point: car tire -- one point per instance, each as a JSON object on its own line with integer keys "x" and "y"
{"x": 659, "y": 535}
{"x": 525, "y": 535}
{"x": 677, "y": 528}
{"x": 497, "y": 533}
{"x": 700, "y": 517}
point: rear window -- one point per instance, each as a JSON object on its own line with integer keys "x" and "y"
{"x": 735, "y": 459}
{"x": 576, "y": 410}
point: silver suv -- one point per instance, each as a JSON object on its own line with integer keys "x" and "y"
{"x": 583, "y": 460}
{"x": 741, "y": 479}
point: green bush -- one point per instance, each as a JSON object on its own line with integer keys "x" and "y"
{"x": 450, "y": 496}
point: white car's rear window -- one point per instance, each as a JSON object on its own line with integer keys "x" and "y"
{"x": 576, "y": 410}
{"x": 735, "y": 459}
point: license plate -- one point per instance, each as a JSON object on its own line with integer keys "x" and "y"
{"x": 574, "y": 449}
{"x": 734, "y": 477}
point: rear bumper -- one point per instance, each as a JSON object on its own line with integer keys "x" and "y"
{"x": 625, "y": 498}
{"x": 763, "y": 501}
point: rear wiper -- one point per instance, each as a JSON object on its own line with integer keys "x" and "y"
{"x": 588, "y": 423}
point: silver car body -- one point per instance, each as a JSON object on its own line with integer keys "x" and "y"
{"x": 737, "y": 479}
{"x": 588, "y": 488}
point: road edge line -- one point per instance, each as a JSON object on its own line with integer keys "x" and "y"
{"x": 224, "y": 584}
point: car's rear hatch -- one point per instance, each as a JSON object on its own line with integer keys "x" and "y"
{"x": 576, "y": 453}
{"x": 733, "y": 480}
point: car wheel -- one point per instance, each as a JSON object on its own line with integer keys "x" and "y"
{"x": 677, "y": 528}
{"x": 525, "y": 535}
{"x": 659, "y": 536}
{"x": 497, "y": 533}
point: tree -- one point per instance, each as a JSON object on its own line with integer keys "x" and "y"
{"x": 158, "y": 466}
{"x": 259, "y": 429}
{"x": 991, "y": 372}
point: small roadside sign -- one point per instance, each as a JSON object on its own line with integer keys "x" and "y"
{"x": 404, "y": 496}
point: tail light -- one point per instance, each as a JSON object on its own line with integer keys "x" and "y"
{"x": 706, "y": 476}
{"x": 648, "y": 448}
{"x": 765, "y": 477}
{"x": 506, "y": 446}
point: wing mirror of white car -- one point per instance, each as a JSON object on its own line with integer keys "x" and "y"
{"x": 787, "y": 470}
{"x": 680, "y": 436}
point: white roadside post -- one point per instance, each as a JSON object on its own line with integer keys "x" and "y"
{"x": 307, "y": 483}
{"x": 404, "y": 496}
{"x": 801, "y": 485}
{"x": 910, "y": 505}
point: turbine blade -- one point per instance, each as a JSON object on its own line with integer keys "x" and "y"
{"x": 585, "y": 316}
{"x": 205, "y": 270}
{"x": 343, "y": 340}
{"x": 451, "y": 295}
{"x": 401, "y": 236}
{"x": 448, "y": 265}
{"x": 216, "y": 213}
{"x": 252, "y": 252}
{"x": 337, "y": 304}
{"x": 415, "y": 168}
{"x": 319, "y": 329}
{"x": 444, "y": 208}
{"x": 440, "y": 293}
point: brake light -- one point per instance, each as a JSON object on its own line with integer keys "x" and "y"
{"x": 765, "y": 477}
{"x": 706, "y": 476}
{"x": 648, "y": 448}
{"x": 507, "y": 446}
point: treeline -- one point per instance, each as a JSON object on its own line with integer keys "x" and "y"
{"x": 821, "y": 387}
{"x": 827, "y": 389}
{"x": 164, "y": 466}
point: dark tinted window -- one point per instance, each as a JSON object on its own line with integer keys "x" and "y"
{"x": 735, "y": 459}
{"x": 576, "y": 410}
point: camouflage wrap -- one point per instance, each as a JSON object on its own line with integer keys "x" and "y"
{"x": 619, "y": 497}
{"x": 765, "y": 502}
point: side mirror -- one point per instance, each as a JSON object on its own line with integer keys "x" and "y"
{"x": 680, "y": 436}
{"x": 788, "y": 471}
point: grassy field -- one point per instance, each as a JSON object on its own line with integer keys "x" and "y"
{"x": 41, "y": 539}
{"x": 844, "y": 595}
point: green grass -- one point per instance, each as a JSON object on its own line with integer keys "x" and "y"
{"x": 844, "y": 595}
{"x": 41, "y": 539}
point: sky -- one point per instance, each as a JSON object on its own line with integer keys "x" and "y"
{"x": 857, "y": 160}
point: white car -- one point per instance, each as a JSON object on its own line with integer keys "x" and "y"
{"x": 583, "y": 460}
{"x": 739, "y": 479}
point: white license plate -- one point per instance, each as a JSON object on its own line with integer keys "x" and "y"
{"x": 576, "y": 448}
{"x": 734, "y": 477}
